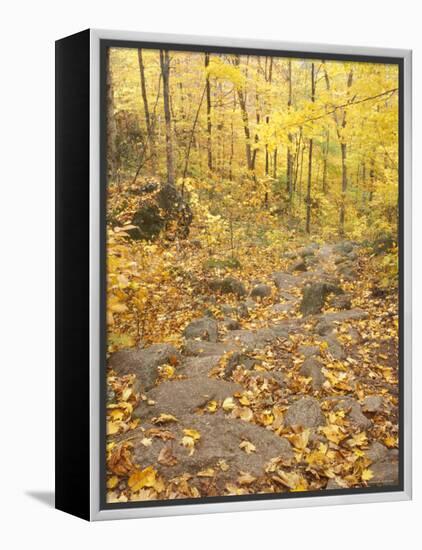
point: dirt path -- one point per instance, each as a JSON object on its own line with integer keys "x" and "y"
{"x": 268, "y": 393}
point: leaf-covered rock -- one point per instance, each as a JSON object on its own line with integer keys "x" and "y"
{"x": 305, "y": 412}
{"x": 144, "y": 362}
{"x": 203, "y": 328}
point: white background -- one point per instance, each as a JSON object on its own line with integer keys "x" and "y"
{"x": 27, "y": 271}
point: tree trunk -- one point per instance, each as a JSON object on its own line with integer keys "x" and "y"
{"x": 267, "y": 118}
{"x": 344, "y": 166}
{"x": 245, "y": 118}
{"x": 325, "y": 164}
{"x": 289, "y": 166}
{"x": 165, "y": 71}
{"x": 308, "y": 193}
{"x": 111, "y": 123}
{"x": 150, "y": 129}
{"x": 209, "y": 123}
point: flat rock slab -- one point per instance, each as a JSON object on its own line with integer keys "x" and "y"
{"x": 143, "y": 362}
{"x": 198, "y": 366}
{"x": 203, "y": 349}
{"x": 385, "y": 472}
{"x": 286, "y": 281}
{"x": 340, "y": 316}
{"x": 203, "y": 328}
{"x": 182, "y": 397}
{"x": 251, "y": 339}
{"x": 219, "y": 440}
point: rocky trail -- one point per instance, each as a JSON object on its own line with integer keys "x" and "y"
{"x": 288, "y": 383}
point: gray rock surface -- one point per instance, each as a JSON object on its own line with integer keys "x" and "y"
{"x": 300, "y": 265}
{"x": 373, "y": 404}
{"x": 220, "y": 440}
{"x": 305, "y": 412}
{"x": 342, "y": 302}
{"x": 251, "y": 339}
{"x": 228, "y": 285}
{"x": 314, "y": 296}
{"x": 231, "y": 324}
{"x": 182, "y": 397}
{"x": 261, "y": 291}
{"x": 195, "y": 347}
{"x": 203, "y": 328}
{"x": 311, "y": 368}
{"x": 353, "y": 412}
{"x": 143, "y": 362}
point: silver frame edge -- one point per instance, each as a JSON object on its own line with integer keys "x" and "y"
{"x": 205, "y": 508}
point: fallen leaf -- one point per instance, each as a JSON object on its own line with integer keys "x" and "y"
{"x": 166, "y": 457}
{"x": 247, "y": 446}
{"x": 142, "y": 478}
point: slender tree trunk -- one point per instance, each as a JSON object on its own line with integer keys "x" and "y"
{"x": 289, "y": 165}
{"x": 245, "y": 118}
{"x": 111, "y": 123}
{"x": 308, "y": 193}
{"x": 301, "y": 173}
{"x": 165, "y": 71}
{"x": 372, "y": 180}
{"x": 267, "y": 118}
{"x": 246, "y": 130}
{"x": 325, "y": 164}
{"x": 343, "y": 186}
{"x": 275, "y": 164}
{"x": 209, "y": 123}
{"x": 344, "y": 165}
{"x": 148, "y": 121}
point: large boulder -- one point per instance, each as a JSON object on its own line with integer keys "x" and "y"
{"x": 334, "y": 347}
{"x": 228, "y": 285}
{"x": 231, "y": 324}
{"x": 252, "y": 339}
{"x": 219, "y": 443}
{"x": 159, "y": 207}
{"x": 314, "y": 296}
{"x": 193, "y": 367}
{"x": 343, "y": 247}
{"x": 373, "y": 404}
{"x": 204, "y": 349}
{"x": 353, "y": 412}
{"x": 182, "y": 397}
{"x": 300, "y": 265}
{"x": 376, "y": 451}
{"x": 342, "y": 302}
{"x": 261, "y": 291}
{"x": 305, "y": 412}
{"x": 240, "y": 359}
{"x": 203, "y": 328}
{"x": 144, "y": 362}
{"x": 284, "y": 281}
{"x": 386, "y": 471}
{"x": 342, "y": 316}
{"x": 311, "y": 368}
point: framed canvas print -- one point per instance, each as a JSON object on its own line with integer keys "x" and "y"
{"x": 233, "y": 274}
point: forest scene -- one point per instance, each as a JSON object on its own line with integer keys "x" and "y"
{"x": 252, "y": 274}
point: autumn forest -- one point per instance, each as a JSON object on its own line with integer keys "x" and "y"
{"x": 252, "y": 258}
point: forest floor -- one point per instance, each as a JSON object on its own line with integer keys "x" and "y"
{"x": 278, "y": 380}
